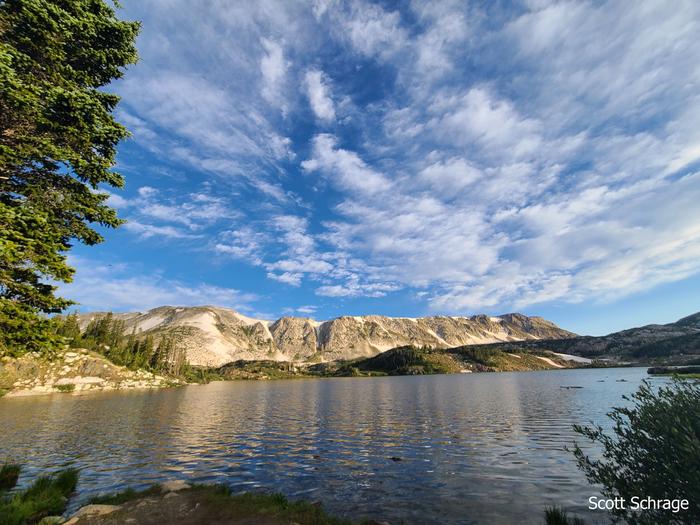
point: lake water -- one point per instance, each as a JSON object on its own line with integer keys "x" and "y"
{"x": 473, "y": 448}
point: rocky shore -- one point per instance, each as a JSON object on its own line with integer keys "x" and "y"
{"x": 179, "y": 503}
{"x": 74, "y": 371}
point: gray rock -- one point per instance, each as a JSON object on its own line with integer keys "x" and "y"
{"x": 92, "y": 510}
{"x": 174, "y": 485}
{"x": 213, "y": 336}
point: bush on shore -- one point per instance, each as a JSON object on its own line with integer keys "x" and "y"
{"x": 653, "y": 451}
{"x": 46, "y": 496}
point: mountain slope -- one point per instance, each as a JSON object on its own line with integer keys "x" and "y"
{"x": 673, "y": 342}
{"x": 213, "y": 336}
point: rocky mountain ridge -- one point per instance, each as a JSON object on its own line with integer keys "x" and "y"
{"x": 671, "y": 343}
{"x": 213, "y": 336}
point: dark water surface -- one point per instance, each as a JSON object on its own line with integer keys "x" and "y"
{"x": 479, "y": 448}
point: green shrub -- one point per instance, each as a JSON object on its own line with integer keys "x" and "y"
{"x": 653, "y": 451}
{"x": 65, "y": 388}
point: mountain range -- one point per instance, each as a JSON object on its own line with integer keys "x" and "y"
{"x": 213, "y": 336}
{"x": 671, "y": 343}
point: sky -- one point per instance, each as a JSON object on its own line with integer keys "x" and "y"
{"x": 326, "y": 158}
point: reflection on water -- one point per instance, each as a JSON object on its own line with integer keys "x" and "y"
{"x": 481, "y": 448}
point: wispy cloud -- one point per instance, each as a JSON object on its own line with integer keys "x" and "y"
{"x": 121, "y": 287}
{"x": 481, "y": 156}
{"x": 319, "y": 95}
{"x": 273, "y": 67}
{"x": 152, "y": 214}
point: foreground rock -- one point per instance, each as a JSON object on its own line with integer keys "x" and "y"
{"x": 213, "y": 336}
{"x": 201, "y": 505}
{"x": 92, "y": 511}
{"x": 74, "y": 371}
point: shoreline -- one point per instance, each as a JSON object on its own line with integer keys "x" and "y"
{"x": 33, "y": 393}
{"x": 182, "y": 503}
{"x": 79, "y": 371}
{"x": 76, "y": 371}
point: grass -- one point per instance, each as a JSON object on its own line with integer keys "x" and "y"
{"x": 217, "y": 503}
{"x": 47, "y": 496}
{"x": 558, "y": 516}
{"x": 65, "y": 388}
{"x": 9, "y": 473}
{"x": 273, "y": 505}
{"x": 125, "y": 495}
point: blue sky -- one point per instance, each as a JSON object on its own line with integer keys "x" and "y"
{"x": 323, "y": 158}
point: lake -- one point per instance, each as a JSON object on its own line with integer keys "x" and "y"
{"x": 469, "y": 448}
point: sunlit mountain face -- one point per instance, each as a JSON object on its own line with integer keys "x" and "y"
{"x": 408, "y": 159}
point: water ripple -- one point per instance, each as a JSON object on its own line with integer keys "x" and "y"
{"x": 482, "y": 448}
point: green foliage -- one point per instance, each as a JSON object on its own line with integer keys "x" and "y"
{"x": 21, "y": 329}
{"x": 683, "y": 344}
{"x": 69, "y": 328}
{"x": 57, "y": 146}
{"x": 202, "y": 375}
{"x": 275, "y": 505}
{"x": 654, "y": 451}
{"x": 9, "y": 473}
{"x": 482, "y": 355}
{"x": 46, "y": 496}
{"x": 106, "y": 335}
{"x": 260, "y": 369}
{"x": 557, "y": 516}
{"x": 405, "y": 360}
{"x": 125, "y": 495}
{"x": 65, "y": 388}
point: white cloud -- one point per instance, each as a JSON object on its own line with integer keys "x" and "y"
{"x": 346, "y": 168}
{"x": 308, "y": 309}
{"x": 243, "y": 243}
{"x": 319, "y": 95}
{"x": 273, "y": 67}
{"x": 478, "y": 115}
{"x": 447, "y": 27}
{"x": 486, "y": 157}
{"x": 353, "y": 289}
{"x": 290, "y": 278}
{"x": 116, "y": 287}
{"x": 147, "y": 231}
{"x": 195, "y": 212}
{"x": 370, "y": 29}
{"x": 449, "y": 177}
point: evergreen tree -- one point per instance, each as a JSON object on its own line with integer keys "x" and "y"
{"x": 57, "y": 146}
{"x": 70, "y": 329}
{"x": 161, "y": 358}
{"x": 144, "y": 354}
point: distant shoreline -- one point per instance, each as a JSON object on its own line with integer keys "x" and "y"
{"x": 80, "y": 371}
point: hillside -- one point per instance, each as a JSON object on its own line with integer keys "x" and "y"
{"x": 75, "y": 370}
{"x": 677, "y": 342}
{"x": 213, "y": 336}
{"x": 411, "y": 360}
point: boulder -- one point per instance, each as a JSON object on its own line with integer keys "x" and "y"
{"x": 174, "y": 485}
{"x": 91, "y": 510}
